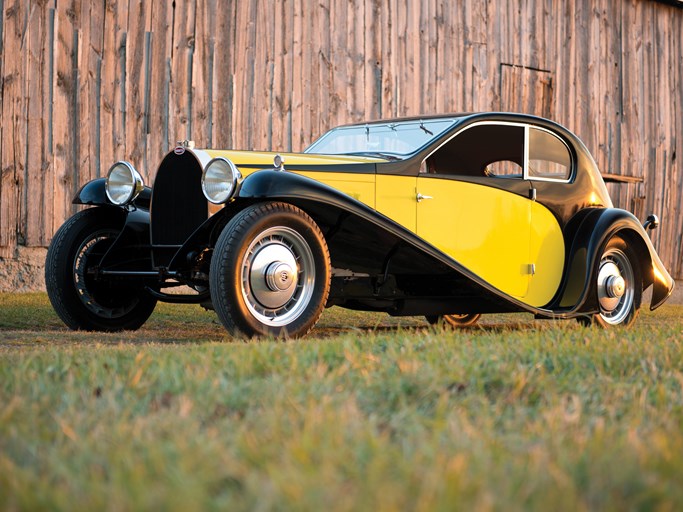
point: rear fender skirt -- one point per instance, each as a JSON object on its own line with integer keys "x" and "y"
{"x": 94, "y": 193}
{"x": 589, "y": 233}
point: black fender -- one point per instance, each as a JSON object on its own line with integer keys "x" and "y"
{"x": 94, "y": 193}
{"x": 131, "y": 250}
{"x": 586, "y": 237}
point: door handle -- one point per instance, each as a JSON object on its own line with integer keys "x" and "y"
{"x": 420, "y": 197}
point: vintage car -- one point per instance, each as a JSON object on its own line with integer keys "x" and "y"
{"x": 447, "y": 217}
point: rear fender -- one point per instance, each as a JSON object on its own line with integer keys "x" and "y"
{"x": 589, "y": 233}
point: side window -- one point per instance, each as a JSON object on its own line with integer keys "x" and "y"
{"x": 482, "y": 150}
{"x": 549, "y": 157}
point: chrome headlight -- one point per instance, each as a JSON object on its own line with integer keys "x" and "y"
{"x": 123, "y": 183}
{"x": 219, "y": 180}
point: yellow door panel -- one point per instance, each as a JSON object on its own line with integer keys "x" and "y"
{"x": 485, "y": 229}
{"x": 358, "y": 186}
{"x": 547, "y": 254}
{"x": 396, "y": 199}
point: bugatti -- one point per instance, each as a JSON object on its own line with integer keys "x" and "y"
{"x": 448, "y": 217}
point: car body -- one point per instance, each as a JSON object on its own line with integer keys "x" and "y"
{"x": 443, "y": 216}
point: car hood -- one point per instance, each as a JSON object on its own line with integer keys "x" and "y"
{"x": 247, "y": 161}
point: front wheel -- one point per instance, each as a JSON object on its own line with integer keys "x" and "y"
{"x": 270, "y": 272}
{"x": 619, "y": 286}
{"x": 454, "y": 320}
{"x": 82, "y": 301}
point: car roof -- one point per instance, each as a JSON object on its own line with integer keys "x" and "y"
{"x": 426, "y": 117}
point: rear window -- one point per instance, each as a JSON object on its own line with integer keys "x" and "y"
{"x": 549, "y": 157}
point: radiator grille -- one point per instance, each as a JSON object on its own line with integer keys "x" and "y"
{"x": 178, "y": 204}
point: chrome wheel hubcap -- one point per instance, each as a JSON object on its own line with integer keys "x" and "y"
{"x": 278, "y": 275}
{"x": 615, "y": 288}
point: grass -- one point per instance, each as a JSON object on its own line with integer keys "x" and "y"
{"x": 367, "y": 413}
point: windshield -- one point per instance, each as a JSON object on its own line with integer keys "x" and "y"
{"x": 395, "y": 139}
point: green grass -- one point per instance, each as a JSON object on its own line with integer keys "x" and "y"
{"x": 366, "y": 413}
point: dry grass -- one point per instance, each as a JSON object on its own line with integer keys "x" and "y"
{"x": 367, "y": 413}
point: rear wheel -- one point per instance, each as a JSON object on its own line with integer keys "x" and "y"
{"x": 82, "y": 301}
{"x": 619, "y": 286}
{"x": 455, "y": 320}
{"x": 270, "y": 272}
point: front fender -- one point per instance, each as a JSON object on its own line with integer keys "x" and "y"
{"x": 131, "y": 250}
{"x": 94, "y": 193}
{"x": 589, "y": 234}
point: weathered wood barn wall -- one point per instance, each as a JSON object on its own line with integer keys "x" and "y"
{"x": 86, "y": 82}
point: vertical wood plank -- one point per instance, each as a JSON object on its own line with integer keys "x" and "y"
{"x": 89, "y": 62}
{"x": 373, "y": 60}
{"x": 202, "y": 72}
{"x": 259, "y": 110}
{"x": 136, "y": 66}
{"x": 677, "y": 156}
{"x": 298, "y": 71}
{"x": 65, "y": 129}
{"x": 224, "y": 69}
{"x": 37, "y": 200}
{"x": 281, "y": 79}
{"x": 157, "y": 86}
{"x": 180, "y": 122}
{"x": 13, "y": 151}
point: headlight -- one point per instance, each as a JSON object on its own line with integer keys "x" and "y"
{"x": 220, "y": 180}
{"x": 123, "y": 184}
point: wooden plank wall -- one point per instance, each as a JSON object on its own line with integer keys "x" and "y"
{"x": 87, "y": 82}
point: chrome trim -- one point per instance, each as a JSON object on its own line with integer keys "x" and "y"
{"x": 525, "y": 162}
{"x": 279, "y": 162}
{"x": 236, "y": 175}
{"x": 137, "y": 186}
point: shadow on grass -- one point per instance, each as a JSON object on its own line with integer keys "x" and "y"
{"x": 27, "y": 320}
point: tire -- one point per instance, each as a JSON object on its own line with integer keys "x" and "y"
{"x": 455, "y": 320}
{"x": 270, "y": 272}
{"x": 618, "y": 261}
{"x": 80, "y": 300}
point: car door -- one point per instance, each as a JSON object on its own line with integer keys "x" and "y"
{"x": 474, "y": 204}
{"x": 549, "y": 169}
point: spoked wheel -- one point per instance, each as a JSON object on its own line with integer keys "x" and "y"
{"x": 82, "y": 301}
{"x": 619, "y": 286}
{"x": 270, "y": 272}
{"x": 454, "y": 320}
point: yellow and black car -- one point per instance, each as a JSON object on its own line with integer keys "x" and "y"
{"x": 447, "y": 217}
